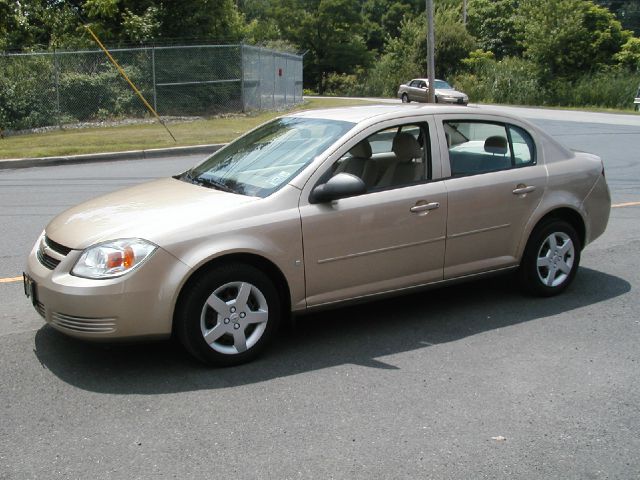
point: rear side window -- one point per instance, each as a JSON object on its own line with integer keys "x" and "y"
{"x": 482, "y": 147}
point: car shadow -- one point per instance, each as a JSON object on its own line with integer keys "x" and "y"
{"x": 361, "y": 335}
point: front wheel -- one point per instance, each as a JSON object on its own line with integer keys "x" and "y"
{"x": 228, "y": 315}
{"x": 551, "y": 258}
{"x": 405, "y": 98}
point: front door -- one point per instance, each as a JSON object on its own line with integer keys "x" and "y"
{"x": 389, "y": 238}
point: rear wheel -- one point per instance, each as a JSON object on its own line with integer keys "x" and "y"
{"x": 551, "y": 258}
{"x": 405, "y": 98}
{"x": 228, "y": 315}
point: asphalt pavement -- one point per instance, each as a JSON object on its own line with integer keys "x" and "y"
{"x": 471, "y": 381}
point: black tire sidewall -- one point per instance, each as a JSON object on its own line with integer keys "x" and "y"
{"x": 190, "y": 308}
{"x": 405, "y": 98}
{"x": 528, "y": 271}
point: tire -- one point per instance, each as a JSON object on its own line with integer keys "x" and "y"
{"x": 551, "y": 258}
{"x": 228, "y": 315}
{"x": 405, "y": 98}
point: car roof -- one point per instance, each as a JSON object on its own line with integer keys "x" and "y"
{"x": 382, "y": 112}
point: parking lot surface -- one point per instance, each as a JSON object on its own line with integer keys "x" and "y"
{"x": 471, "y": 381}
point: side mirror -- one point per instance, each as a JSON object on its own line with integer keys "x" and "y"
{"x": 342, "y": 185}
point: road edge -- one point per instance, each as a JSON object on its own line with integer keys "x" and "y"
{"x": 16, "y": 163}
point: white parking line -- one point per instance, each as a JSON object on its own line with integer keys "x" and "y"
{"x": 10, "y": 280}
{"x": 628, "y": 204}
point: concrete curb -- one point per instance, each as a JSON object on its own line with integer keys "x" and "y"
{"x": 108, "y": 157}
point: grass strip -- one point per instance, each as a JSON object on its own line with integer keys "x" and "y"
{"x": 145, "y": 136}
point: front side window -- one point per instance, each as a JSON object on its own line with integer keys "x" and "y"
{"x": 392, "y": 157}
{"x": 480, "y": 147}
{"x": 267, "y": 158}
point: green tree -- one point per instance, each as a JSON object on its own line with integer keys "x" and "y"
{"x": 627, "y": 11}
{"x": 629, "y": 55}
{"x": 406, "y": 56}
{"x": 567, "y": 38}
{"x": 493, "y": 23}
{"x": 331, "y": 33}
{"x": 58, "y": 23}
{"x": 35, "y": 24}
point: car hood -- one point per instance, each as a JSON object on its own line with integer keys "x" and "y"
{"x": 148, "y": 211}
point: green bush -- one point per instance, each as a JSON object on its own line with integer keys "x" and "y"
{"x": 344, "y": 84}
{"x": 97, "y": 95}
{"x": 517, "y": 81}
{"x": 27, "y": 93}
{"x": 610, "y": 89}
{"x": 511, "y": 80}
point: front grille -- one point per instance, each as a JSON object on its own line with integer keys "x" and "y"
{"x": 83, "y": 324}
{"x": 56, "y": 247}
{"x": 51, "y": 253}
{"x": 47, "y": 261}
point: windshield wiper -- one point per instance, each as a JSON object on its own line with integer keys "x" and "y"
{"x": 209, "y": 182}
{"x": 187, "y": 177}
{"x": 204, "y": 182}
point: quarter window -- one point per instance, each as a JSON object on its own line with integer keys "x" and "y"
{"x": 523, "y": 146}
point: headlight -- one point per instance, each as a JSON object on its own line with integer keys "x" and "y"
{"x": 113, "y": 259}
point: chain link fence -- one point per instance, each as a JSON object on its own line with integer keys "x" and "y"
{"x": 67, "y": 87}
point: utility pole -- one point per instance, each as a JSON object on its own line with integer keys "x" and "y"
{"x": 464, "y": 12}
{"x": 431, "y": 62}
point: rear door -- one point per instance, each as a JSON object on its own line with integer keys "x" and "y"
{"x": 496, "y": 180}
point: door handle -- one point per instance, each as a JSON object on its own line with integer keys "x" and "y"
{"x": 422, "y": 207}
{"x": 522, "y": 189}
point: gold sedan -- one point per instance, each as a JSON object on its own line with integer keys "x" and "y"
{"x": 313, "y": 210}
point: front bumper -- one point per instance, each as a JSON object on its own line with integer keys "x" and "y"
{"x": 453, "y": 100}
{"x": 137, "y": 305}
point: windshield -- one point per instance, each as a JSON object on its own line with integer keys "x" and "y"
{"x": 262, "y": 161}
{"x": 443, "y": 85}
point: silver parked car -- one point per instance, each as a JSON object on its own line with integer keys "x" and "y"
{"x": 417, "y": 90}
{"x": 317, "y": 209}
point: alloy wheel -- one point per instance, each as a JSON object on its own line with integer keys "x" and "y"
{"x": 234, "y": 317}
{"x": 555, "y": 259}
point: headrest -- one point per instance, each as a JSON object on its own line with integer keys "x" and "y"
{"x": 361, "y": 149}
{"x": 406, "y": 147}
{"x": 496, "y": 144}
